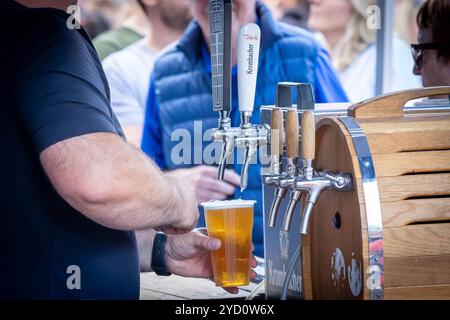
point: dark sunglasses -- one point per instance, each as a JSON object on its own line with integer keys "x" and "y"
{"x": 417, "y": 50}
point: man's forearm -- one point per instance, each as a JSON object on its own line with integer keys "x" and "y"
{"x": 112, "y": 182}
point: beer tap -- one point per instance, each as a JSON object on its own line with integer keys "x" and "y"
{"x": 247, "y": 136}
{"x": 248, "y": 56}
{"x": 276, "y": 152}
{"x": 313, "y": 182}
{"x": 292, "y": 153}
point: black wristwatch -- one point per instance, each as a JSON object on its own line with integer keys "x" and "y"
{"x": 159, "y": 264}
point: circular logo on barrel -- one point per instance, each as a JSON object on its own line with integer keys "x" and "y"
{"x": 338, "y": 269}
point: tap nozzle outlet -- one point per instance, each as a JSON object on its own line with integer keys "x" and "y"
{"x": 280, "y": 193}
{"x": 306, "y": 216}
{"x": 313, "y": 188}
{"x": 295, "y": 198}
{"x": 227, "y": 148}
{"x": 250, "y": 151}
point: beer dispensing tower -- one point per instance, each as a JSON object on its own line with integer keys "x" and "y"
{"x": 248, "y": 136}
{"x": 292, "y": 172}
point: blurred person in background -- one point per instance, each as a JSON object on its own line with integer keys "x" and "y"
{"x": 94, "y": 23}
{"x": 405, "y": 19}
{"x": 295, "y": 12}
{"x": 432, "y": 53}
{"x": 128, "y": 21}
{"x": 128, "y": 71}
{"x": 114, "y": 11}
{"x": 343, "y": 23}
{"x": 274, "y": 6}
{"x": 180, "y": 94}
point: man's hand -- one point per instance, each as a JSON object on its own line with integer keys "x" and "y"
{"x": 204, "y": 181}
{"x": 188, "y": 255}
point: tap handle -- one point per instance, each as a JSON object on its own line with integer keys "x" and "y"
{"x": 276, "y": 136}
{"x": 220, "y": 15}
{"x": 292, "y": 139}
{"x": 248, "y": 57}
{"x": 308, "y": 135}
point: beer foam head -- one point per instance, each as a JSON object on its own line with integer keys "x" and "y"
{"x": 228, "y": 204}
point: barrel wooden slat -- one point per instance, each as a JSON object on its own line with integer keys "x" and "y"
{"x": 404, "y": 124}
{"x": 394, "y": 142}
{"x": 440, "y": 292}
{"x": 396, "y": 164}
{"x": 417, "y": 271}
{"x": 403, "y": 187}
{"x": 407, "y": 142}
{"x": 414, "y": 240}
{"x": 402, "y": 213}
{"x": 401, "y": 163}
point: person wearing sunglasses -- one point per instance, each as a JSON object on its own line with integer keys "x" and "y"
{"x": 432, "y": 53}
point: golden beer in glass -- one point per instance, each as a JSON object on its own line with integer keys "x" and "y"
{"x": 231, "y": 222}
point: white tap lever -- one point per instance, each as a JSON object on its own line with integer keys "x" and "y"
{"x": 248, "y": 57}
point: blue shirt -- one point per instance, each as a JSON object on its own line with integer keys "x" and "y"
{"x": 327, "y": 89}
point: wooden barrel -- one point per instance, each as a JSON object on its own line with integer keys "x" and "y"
{"x": 390, "y": 237}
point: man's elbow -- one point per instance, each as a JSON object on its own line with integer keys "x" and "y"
{"x": 85, "y": 172}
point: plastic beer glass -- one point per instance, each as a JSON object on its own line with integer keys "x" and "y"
{"x": 231, "y": 222}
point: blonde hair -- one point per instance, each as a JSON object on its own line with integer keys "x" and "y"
{"x": 405, "y": 19}
{"x": 357, "y": 36}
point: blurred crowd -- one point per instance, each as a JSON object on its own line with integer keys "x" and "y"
{"x": 143, "y": 28}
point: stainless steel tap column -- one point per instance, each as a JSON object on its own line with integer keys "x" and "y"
{"x": 220, "y": 28}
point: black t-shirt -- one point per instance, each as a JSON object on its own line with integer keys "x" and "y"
{"x": 52, "y": 87}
